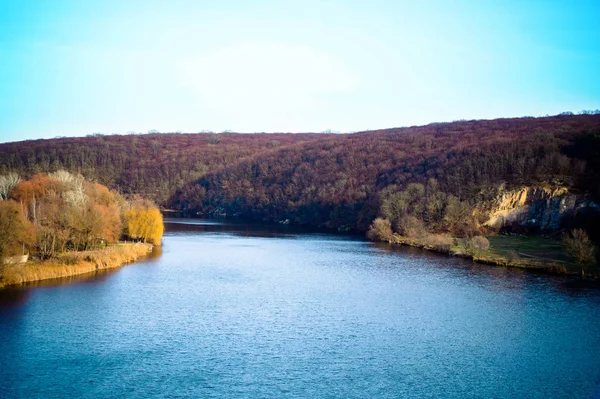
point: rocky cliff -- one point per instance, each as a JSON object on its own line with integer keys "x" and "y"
{"x": 540, "y": 208}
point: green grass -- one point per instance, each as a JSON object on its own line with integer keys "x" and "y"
{"x": 537, "y": 248}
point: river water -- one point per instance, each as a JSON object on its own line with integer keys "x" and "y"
{"x": 241, "y": 311}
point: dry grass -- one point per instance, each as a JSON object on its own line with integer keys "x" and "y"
{"x": 432, "y": 242}
{"x": 73, "y": 263}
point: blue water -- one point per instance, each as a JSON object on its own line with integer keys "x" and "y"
{"x": 240, "y": 311}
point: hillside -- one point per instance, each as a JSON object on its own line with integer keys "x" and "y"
{"x": 333, "y": 180}
{"x": 152, "y": 165}
{"x": 342, "y": 181}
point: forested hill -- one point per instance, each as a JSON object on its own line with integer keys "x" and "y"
{"x": 340, "y": 181}
{"x": 325, "y": 179}
{"x": 152, "y": 165}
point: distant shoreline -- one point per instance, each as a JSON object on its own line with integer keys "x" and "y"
{"x": 73, "y": 263}
{"x": 487, "y": 258}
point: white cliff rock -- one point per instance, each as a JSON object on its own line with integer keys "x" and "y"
{"x": 534, "y": 207}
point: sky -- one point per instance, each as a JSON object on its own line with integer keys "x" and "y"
{"x": 77, "y": 67}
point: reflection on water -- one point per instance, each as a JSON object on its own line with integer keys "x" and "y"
{"x": 17, "y": 294}
{"x": 12, "y": 298}
{"x": 242, "y": 228}
{"x": 240, "y": 310}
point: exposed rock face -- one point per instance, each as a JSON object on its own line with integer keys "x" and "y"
{"x": 535, "y": 207}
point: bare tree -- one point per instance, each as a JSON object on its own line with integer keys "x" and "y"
{"x": 75, "y": 195}
{"x": 578, "y": 246}
{"x": 7, "y": 183}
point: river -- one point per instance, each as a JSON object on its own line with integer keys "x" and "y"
{"x": 233, "y": 310}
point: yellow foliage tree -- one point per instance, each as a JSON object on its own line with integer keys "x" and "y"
{"x": 144, "y": 222}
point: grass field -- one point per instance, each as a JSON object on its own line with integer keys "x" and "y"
{"x": 538, "y": 248}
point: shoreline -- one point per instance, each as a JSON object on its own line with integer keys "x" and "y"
{"x": 73, "y": 263}
{"x": 553, "y": 268}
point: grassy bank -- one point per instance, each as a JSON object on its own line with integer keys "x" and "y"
{"x": 73, "y": 263}
{"x": 525, "y": 252}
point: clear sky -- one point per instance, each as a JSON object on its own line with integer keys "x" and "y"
{"x": 75, "y": 67}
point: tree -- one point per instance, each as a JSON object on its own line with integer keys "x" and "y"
{"x": 29, "y": 192}
{"x": 380, "y": 230}
{"x": 106, "y": 204}
{"x": 97, "y": 219}
{"x": 7, "y": 183}
{"x": 457, "y": 217}
{"x": 143, "y": 221}
{"x": 411, "y": 227}
{"x": 74, "y": 192}
{"x": 578, "y": 246}
{"x": 16, "y": 232}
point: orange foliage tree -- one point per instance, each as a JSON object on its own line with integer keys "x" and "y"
{"x": 30, "y": 192}
{"x": 16, "y": 232}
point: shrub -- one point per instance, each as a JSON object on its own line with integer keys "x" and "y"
{"x": 380, "y": 230}
{"x": 477, "y": 245}
{"x": 512, "y": 256}
{"x": 439, "y": 242}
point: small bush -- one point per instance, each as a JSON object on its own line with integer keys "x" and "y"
{"x": 512, "y": 256}
{"x": 477, "y": 245}
{"x": 439, "y": 242}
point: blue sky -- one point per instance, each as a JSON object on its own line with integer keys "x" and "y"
{"x": 75, "y": 67}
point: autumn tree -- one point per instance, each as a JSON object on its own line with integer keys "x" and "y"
{"x": 380, "y": 230}
{"x": 28, "y": 193}
{"x": 52, "y": 225}
{"x": 107, "y": 205}
{"x": 411, "y": 227}
{"x": 16, "y": 232}
{"x": 143, "y": 221}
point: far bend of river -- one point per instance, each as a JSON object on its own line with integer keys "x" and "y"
{"x": 232, "y": 310}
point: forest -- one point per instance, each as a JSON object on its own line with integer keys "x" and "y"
{"x": 51, "y": 214}
{"x": 152, "y": 165}
{"x": 435, "y": 173}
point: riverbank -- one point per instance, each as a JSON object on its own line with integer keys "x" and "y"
{"x": 73, "y": 263}
{"x": 503, "y": 252}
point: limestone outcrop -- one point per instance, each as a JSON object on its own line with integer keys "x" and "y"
{"x": 534, "y": 207}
